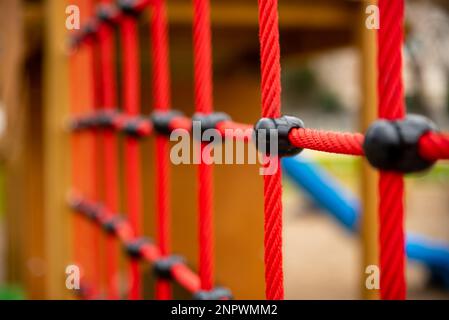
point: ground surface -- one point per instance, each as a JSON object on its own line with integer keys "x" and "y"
{"x": 322, "y": 260}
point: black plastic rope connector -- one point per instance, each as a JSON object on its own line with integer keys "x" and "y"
{"x": 162, "y": 267}
{"x": 162, "y": 119}
{"x": 218, "y": 293}
{"x": 128, "y": 7}
{"x": 134, "y": 248}
{"x": 110, "y": 226}
{"x": 208, "y": 121}
{"x": 90, "y": 30}
{"x": 264, "y": 129}
{"x": 394, "y": 145}
{"x": 106, "y": 12}
{"x": 91, "y": 211}
{"x": 106, "y": 119}
{"x": 132, "y": 127}
{"x": 82, "y": 124}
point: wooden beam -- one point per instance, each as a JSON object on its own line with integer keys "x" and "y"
{"x": 240, "y": 14}
{"x": 56, "y": 150}
{"x": 369, "y": 177}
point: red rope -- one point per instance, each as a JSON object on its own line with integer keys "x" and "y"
{"x": 203, "y": 103}
{"x": 434, "y": 146}
{"x": 161, "y": 94}
{"x": 78, "y": 224}
{"x": 180, "y": 272}
{"x": 328, "y": 141}
{"x": 391, "y": 184}
{"x": 91, "y": 140}
{"x": 131, "y": 100}
{"x": 271, "y": 107}
{"x": 109, "y": 101}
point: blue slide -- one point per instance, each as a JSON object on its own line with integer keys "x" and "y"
{"x": 325, "y": 191}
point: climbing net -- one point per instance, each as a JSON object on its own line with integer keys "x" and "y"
{"x": 395, "y": 145}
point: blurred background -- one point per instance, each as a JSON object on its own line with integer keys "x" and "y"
{"x": 328, "y": 79}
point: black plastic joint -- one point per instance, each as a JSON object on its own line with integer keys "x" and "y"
{"x": 106, "y": 12}
{"x": 82, "y": 124}
{"x": 132, "y": 127}
{"x": 162, "y": 119}
{"x": 106, "y": 119}
{"x": 134, "y": 248}
{"x": 128, "y": 7}
{"x": 394, "y": 145}
{"x": 90, "y": 30}
{"x": 264, "y": 129}
{"x": 93, "y": 211}
{"x": 162, "y": 267}
{"x": 218, "y": 293}
{"x": 111, "y": 225}
{"x": 211, "y": 120}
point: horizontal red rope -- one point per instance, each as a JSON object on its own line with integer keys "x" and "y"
{"x": 328, "y": 141}
{"x": 434, "y": 146}
{"x": 181, "y": 273}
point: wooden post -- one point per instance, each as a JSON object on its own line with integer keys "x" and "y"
{"x": 369, "y": 177}
{"x": 56, "y": 150}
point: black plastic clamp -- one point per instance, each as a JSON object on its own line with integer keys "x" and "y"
{"x": 106, "y": 119}
{"x": 162, "y": 119}
{"x": 83, "y": 123}
{"x": 394, "y": 145}
{"x": 282, "y": 126}
{"x": 218, "y": 293}
{"x": 162, "y": 267}
{"x": 107, "y": 13}
{"x": 134, "y": 248}
{"x": 93, "y": 211}
{"x": 110, "y": 225}
{"x": 132, "y": 127}
{"x": 209, "y": 121}
{"x": 128, "y": 7}
{"x": 90, "y": 30}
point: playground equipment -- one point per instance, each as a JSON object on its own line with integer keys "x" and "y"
{"x": 395, "y": 146}
{"x": 326, "y": 192}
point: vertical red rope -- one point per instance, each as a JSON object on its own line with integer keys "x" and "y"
{"x": 161, "y": 94}
{"x": 391, "y": 185}
{"x": 110, "y": 169}
{"x": 203, "y": 103}
{"x": 77, "y": 227}
{"x": 271, "y": 107}
{"x": 131, "y": 100}
{"x": 91, "y": 152}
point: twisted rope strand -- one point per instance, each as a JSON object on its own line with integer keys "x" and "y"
{"x": 203, "y": 104}
{"x": 391, "y": 184}
{"x": 162, "y": 102}
{"x": 271, "y": 107}
{"x": 131, "y": 100}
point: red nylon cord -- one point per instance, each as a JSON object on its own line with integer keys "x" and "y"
{"x": 434, "y": 146}
{"x": 162, "y": 102}
{"x": 391, "y": 184}
{"x": 271, "y": 108}
{"x": 109, "y": 102}
{"x": 203, "y": 103}
{"x": 328, "y": 141}
{"x": 78, "y": 223}
{"x": 131, "y": 99}
{"x": 91, "y": 152}
{"x": 184, "y": 276}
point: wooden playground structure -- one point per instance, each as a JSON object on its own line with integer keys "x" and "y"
{"x": 36, "y": 151}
